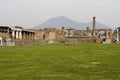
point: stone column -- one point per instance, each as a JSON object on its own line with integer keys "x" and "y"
{"x": 13, "y": 33}
{"x": 24, "y": 36}
{"x": 33, "y": 36}
{"x": 0, "y": 40}
{"x": 63, "y": 31}
{"x": 94, "y": 25}
{"x": 29, "y": 36}
{"x": 117, "y": 36}
{"x": 16, "y": 34}
{"x": 20, "y": 35}
{"x": 8, "y": 30}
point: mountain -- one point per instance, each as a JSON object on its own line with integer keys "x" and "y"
{"x": 61, "y": 21}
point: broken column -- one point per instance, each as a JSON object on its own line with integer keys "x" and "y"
{"x": 63, "y": 31}
{"x": 94, "y": 25}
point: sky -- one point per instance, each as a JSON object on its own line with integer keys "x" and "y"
{"x": 30, "y": 13}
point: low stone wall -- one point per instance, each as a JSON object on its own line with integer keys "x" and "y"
{"x": 79, "y": 40}
{"x": 27, "y": 42}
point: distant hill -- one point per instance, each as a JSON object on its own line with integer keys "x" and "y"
{"x": 60, "y": 21}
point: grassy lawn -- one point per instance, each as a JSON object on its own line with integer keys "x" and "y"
{"x": 60, "y": 62}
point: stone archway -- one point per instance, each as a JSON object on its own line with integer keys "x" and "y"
{"x": 103, "y": 35}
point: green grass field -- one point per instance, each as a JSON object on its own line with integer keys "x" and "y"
{"x": 60, "y": 62}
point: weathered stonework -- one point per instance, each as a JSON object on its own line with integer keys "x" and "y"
{"x": 13, "y": 35}
{"x": 53, "y": 35}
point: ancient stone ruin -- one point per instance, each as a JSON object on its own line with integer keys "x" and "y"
{"x": 18, "y": 36}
